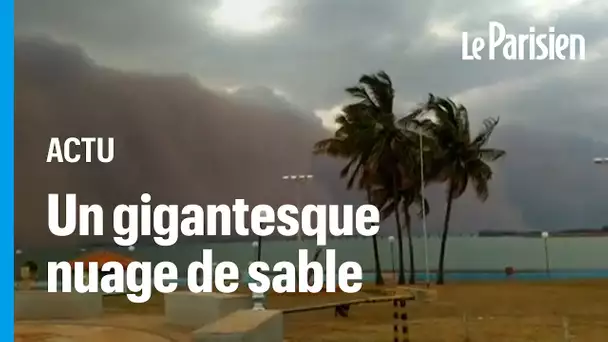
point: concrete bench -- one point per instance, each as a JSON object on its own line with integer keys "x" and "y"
{"x": 197, "y": 309}
{"x": 243, "y": 326}
{"x": 37, "y": 305}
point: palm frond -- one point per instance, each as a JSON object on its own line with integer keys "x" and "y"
{"x": 491, "y": 154}
{"x": 484, "y": 134}
{"x": 481, "y": 174}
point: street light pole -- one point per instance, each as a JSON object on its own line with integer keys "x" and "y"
{"x": 256, "y": 249}
{"x": 391, "y": 243}
{"x": 545, "y": 236}
{"x": 300, "y": 180}
{"x": 422, "y": 193}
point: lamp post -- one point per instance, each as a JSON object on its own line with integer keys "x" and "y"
{"x": 256, "y": 250}
{"x": 300, "y": 180}
{"x": 391, "y": 242}
{"x": 545, "y": 236}
{"x": 423, "y": 195}
{"x": 257, "y": 245}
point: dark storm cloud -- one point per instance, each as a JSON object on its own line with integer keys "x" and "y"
{"x": 130, "y": 33}
{"x": 325, "y": 45}
{"x": 570, "y": 100}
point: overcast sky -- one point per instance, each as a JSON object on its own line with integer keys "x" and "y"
{"x": 310, "y": 50}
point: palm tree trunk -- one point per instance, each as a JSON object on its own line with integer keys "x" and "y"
{"x": 408, "y": 229}
{"x": 444, "y": 236}
{"x": 401, "y": 280}
{"x": 377, "y": 266}
{"x": 397, "y": 199}
{"x": 400, "y": 241}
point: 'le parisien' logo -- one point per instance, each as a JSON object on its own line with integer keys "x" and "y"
{"x": 532, "y": 46}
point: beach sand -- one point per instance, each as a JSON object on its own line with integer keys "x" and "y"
{"x": 495, "y": 312}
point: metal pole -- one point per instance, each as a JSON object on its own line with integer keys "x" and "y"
{"x": 256, "y": 247}
{"x": 259, "y": 249}
{"x": 400, "y": 326}
{"x": 547, "y": 257}
{"x": 391, "y": 243}
{"x": 422, "y": 193}
{"x": 545, "y": 236}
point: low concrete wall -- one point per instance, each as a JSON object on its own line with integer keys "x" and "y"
{"x": 197, "y": 309}
{"x": 244, "y": 326}
{"x": 34, "y": 305}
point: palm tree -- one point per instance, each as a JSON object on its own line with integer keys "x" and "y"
{"x": 353, "y": 140}
{"x": 409, "y": 193}
{"x": 460, "y": 158}
{"x": 370, "y": 138}
{"x": 391, "y": 155}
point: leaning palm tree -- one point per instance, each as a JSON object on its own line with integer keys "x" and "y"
{"x": 409, "y": 191}
{"x": 460, "y": 158}
{"x": 390, "y": 150}
{"x": 354, "y": 140}
{"x": 369, "y": 137}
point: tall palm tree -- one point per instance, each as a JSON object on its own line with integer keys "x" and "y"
{"x": 409, "y": 193}
{"x": 391, "y": 152}
{"x": 461, "y": 158}
{"x": 354, "y": 140}
{"x": 370, "y": 138}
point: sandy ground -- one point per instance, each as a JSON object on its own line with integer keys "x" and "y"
{"x": 497, "y": 312}
{"x": 490, "y": 312}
